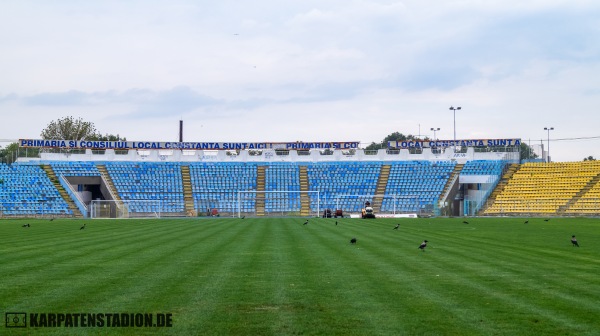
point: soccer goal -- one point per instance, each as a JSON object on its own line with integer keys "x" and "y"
{"x": 225, "y": 203}
{"x": 386, "y": 203}
{"x": 126, "y": 209}
{"x": 278, "y": 203}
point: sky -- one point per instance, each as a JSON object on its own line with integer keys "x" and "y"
{"x": 279, "y": 71}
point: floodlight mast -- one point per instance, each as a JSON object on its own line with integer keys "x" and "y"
{"x": 454, "y": 110}
{"x": 548, "y": 129}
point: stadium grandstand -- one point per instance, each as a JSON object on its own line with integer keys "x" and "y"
{"x": 411, "y": 178}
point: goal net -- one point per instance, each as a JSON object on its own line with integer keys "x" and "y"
{"x": 126, "y": 209}
{"x": 386, "y": 203}
{"x": 279, "y": 203}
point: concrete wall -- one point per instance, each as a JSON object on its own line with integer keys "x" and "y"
{"x": 272, "y": 156}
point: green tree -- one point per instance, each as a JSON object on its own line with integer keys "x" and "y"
{"x": 9, "y": 153}
{"x": 527, "y": 152}
{"x": 107, "y": 137}
{"x": 69, "y": 128}
{"x": 589, "y": 158}
{"x": 2, "y": 155}
{"x": 396, "y": 136}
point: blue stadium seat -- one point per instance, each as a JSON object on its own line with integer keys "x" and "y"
{"x": 149, "y": 186}
{"x": 26, "y": 190}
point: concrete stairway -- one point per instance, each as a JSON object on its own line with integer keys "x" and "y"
{"x": 63, "y": 193}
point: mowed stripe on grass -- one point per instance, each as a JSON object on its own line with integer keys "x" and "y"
{"x": 277, "y": 276}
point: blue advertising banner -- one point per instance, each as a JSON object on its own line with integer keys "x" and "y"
{"x": 87, "y": 144}
{"x": 451, "y": 143}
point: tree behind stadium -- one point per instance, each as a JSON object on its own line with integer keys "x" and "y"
{"x": 69, "y": 128}
{"x": 396, "y": 136}
{"x": 526, "y": 152}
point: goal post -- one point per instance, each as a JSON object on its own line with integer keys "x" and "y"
{"x": 125, "y": 209}
{"x": 383, "y": 203}
{"x": 278, "y": 203}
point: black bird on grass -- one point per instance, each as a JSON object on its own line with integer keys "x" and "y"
{"x": 26, "y": 225}
{"x": 353, "y": 241}
{"x": 83, "y": 227}
{"x": 243, "y": 217}
{"x": 305, "y": 223}
{"x": 335, "y": 222}
{"x": 51, "y": 219}
{"x": 465, "y": 222}
{"x": 396, "y": 227}
{"x": 547, "y": 219}
{"x": 574, "y": 241}
{"x": 526, "y": 222}
{"x": 423, "y": 245}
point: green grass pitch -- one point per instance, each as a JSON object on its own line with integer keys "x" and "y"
{"x": 276, "y": 276}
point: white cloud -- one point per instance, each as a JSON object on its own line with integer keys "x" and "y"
{"x": 306, "y": 70}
